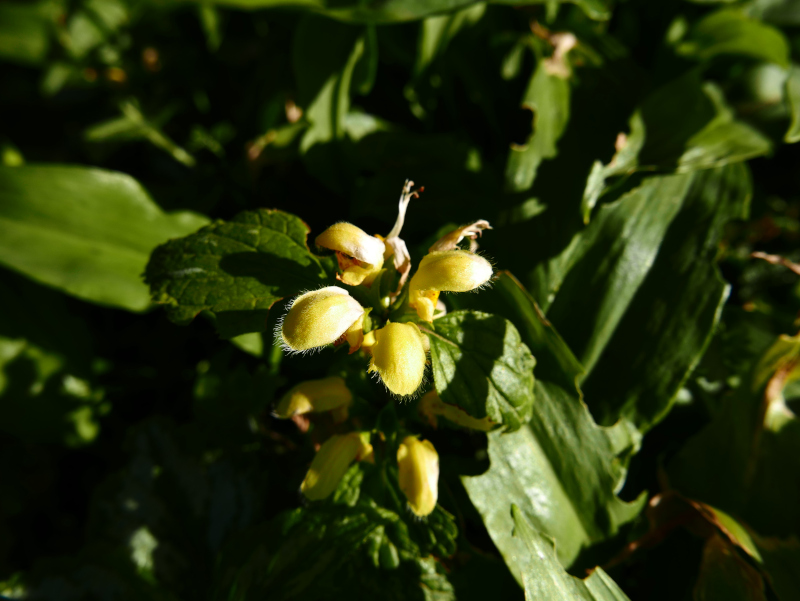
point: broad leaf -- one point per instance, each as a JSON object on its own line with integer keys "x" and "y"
{"x": 481, "y": 365}
{"x": 87, "y": 232}
{"x": 644, "y": 265}
{"x": 235, "y": 270}
{"x": 545, "y": 579}
{"x": 731, "y": 31}
{"x": 547, "y": 97}
{"x": 25, "y": 29}
{"x": 562, "y": 469}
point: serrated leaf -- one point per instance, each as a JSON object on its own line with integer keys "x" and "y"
{"x": 543, "y": 577}
{"x": 547, "y": 97}
{"x": 323, "y": 552}
{"x": 481, "y": 365}
{"x": 235, "y": 270}
{"x": 732, "y": 31}
{"x": 87, "y": 232}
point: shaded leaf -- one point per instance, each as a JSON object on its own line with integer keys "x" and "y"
{"x": 235, "y": 270}
{"x": 85, "y": 231}
{"x": 725, "y": 575}
{"x": 731, "y": 31}
{"x": 481, "y": 365}
{"x": 793, "y": 98}
{"x": 547, "y": 97}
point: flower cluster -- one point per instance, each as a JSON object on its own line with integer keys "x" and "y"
{"x": 391, "y": 330}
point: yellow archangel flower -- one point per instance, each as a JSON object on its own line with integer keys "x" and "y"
{"x": 418, "y": 464}
{"x": 332, "y": 461}
{"x": 399, "y": 357}
{"x": 314, "y": 396}
{"x": 448, "y": 271}
{"x": 325, "y": 316}
{"x": 360, "y": 255}
{"x": 431, "y": 406}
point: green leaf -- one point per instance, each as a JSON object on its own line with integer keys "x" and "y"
{"x": 481, "y": 365}
{"x": 325, "y": 552}
{"x": 731, "y": 31}
{"x": 547, "y": 97}
{"x": 668, "y": 322}
{"x": 132, "y": 125}
{"x": 85, "y": 231}
{"x": 25, "y": 31}
{"x": 438, "y": 31}
{"x": 394, "y": 11}
{"x": 545, "y": 579}
{"x": 645, "y": 264}
{"x": 793, "y": 98}
{"x": 561, "y": 469}
{"x": 235, "y": 270}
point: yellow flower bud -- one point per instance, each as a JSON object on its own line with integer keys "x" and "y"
{"x": 360, "y": 255}
{"x": 320, "y": 317}
{"x": 332, "y": 461}
{"x": 326, "y": 394}
{"x": 398, "y": 357}
{"x": 418, "y": 464}
{"x": 431, "y": 406}
{"x": 448, "y": 271}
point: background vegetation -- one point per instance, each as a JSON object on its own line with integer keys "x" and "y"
{"x": 631, "y": 156}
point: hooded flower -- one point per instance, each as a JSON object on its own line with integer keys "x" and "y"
{"x": 431, "y": 406}
{"x": 360, "y": 255}
{"x": 314, "y": 396}
{"x": 448, "y": 271}
{"x": 418, "y": 464}
{"x": 398, "y": 357}
{"x": 322, "y": 317}
{"x": 332, "y": 461}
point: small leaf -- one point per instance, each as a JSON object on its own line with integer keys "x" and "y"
{"x": 235, "y": 270}
{"x": 481, "y": 365}
{"x": 793, "y": 98}
{"x": 85, "y": 231}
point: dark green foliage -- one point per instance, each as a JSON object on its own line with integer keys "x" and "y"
{"x": 162, "y": 160}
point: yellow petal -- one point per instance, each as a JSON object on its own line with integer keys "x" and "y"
{"x": 398, "y": 357}
{"x": 325, "y": 394}
{"x": 418, "y": 464}
{"x": 319, "y": 317}
{"x": 332, "y": 461}
{"x": 353, "y": 241}
{"x": 431, "y": 406}
{"x": 451, "y": 271}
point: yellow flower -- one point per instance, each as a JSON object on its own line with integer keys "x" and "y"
{"x": 418, "y": 462}
{"x": 326, "y": 394}
{"x": 322, "y": 317}
{"x": 331, "y": 462}
{"x": 360, "y": 255}
{"x": 448, "y": 271}
{"x": 398, "y": 357}
{"x": 431, "y": 406}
